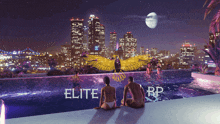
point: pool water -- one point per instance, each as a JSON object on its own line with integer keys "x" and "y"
{"x": 46, "y": 102}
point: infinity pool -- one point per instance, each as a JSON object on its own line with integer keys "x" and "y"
{"x": 31, "y": 100}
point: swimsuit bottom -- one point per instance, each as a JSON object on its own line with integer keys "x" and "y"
{"x": 110, "y": 104}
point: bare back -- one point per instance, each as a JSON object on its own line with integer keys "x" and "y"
{"x": 109, "y": 93}
{"x": 135, "y": 91}
{"x": 149, "y": 70}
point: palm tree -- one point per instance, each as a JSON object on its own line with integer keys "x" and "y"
{"x": 213, "y": 50}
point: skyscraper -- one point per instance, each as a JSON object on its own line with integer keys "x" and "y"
{"x": 153, "y": 51}
{"x": 76, "y": 42}
{"x": 66, "y": 54}
{"x": 187, "y": 54}
{"x": 102, "y": 39}
{"x": 147, "y": 52}
{"x": 142, "y": 50}
{"x": 96, "y": 35}
{"x": 85, "y": 40}
{"x": 129, "y": 45}
{"x": 120, "y": 52}
{"x": 112, "y": 44}
{"x": 105, "y": 52}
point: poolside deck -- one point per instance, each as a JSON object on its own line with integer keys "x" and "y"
{"x": 194, "y": 110}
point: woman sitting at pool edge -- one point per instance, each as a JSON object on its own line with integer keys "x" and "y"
{"x": 110, "y": 96}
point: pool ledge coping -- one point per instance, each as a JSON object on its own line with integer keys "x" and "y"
{"x": 194, "y": 110}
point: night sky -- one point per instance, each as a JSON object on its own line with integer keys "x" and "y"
{"x": 44, "y": 25}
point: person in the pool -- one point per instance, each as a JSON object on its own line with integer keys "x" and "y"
{"x": 149, "y": 69}
{"x": 137, "y": 93}
{"x": 159, "y": 70}
{"x": 109, "y": 94}
{"x": 76, "y": 80}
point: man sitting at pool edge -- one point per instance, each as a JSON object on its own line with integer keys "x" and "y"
{"x": 110, "y": 96}
{"x": 137, "y": 93}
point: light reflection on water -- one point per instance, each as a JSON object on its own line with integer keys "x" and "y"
{"x": 24, "y": 94}
{"x": 2, "y": 112}
{"x": 205, "y": 85}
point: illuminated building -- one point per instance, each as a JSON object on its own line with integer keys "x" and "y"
{"x": 96, "y": 36}
{"x": 164, "y": 53}
{"x": 66, "y": 51}
{"x": 102, "y": 39}
{"x": 105, "y": 52}
{"x": 9, "y": 59}
{"x": 77, "y": 33}
{"x": 129, "y": 45}
{"x": 147, "y": 51}
{"x": 187, "y": 54}
{"x": 27, "y": 51}
{"x": 153, "y": 51}
{"x": 85, "y": 39}
{"x": 120, "y": 52}
{"x": 142, "y": 50}
{"x": 85, "y": 44}
{"x": 112, "y": 44}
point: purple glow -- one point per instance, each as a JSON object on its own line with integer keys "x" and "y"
{"x": 117, "y": 46}
{"x": 2, "y": 119}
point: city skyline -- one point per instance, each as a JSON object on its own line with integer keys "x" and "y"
{"x": 47, "y": 30}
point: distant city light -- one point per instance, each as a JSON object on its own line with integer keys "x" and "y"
{"x": 14, "y": 52}
{"x": 211, "y": 65}
{"x": 92, "y": 16}
{"x": 117, "y": 46}
{"x": 96, "y": 47}
{"x": 43, "y": 68}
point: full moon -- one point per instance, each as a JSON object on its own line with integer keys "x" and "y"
{"x": 151, "y": 20}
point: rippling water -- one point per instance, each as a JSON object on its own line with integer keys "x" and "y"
{"x": 52, "y": 101}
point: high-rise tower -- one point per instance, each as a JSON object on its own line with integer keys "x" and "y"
{"x": 112, "y": 44}
{"x": 76, "y": 41}
{"x": 128, "y": 44}
{"x": 96, "y": 35}
{"x": 102, "y": 39}
{"x": 187, "y": 54}
{"x": 142, "y": 50}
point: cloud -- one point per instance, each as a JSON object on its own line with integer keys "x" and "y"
{"x": 135, "y": 16}
{"x": 161, "y": 18}
{"x": 142, "y": 17}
